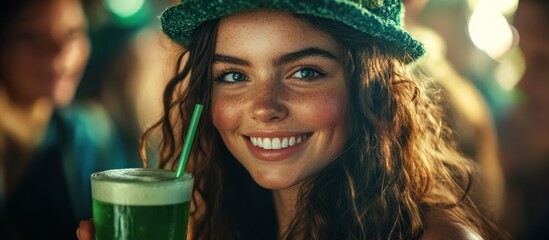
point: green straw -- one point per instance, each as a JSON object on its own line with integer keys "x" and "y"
{"x": 183, "y": 158}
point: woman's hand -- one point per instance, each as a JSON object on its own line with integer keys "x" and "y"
{"x": 86, "y": 230}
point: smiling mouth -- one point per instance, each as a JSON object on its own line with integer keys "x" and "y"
{"x": 277, "y": 142}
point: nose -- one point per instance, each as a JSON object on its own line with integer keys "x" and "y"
{"x": 269, "y": 103}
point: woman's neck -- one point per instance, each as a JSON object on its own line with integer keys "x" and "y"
{"x": 285, "y": 202}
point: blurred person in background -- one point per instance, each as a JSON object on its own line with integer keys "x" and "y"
{"x": 466, "y": 111}
{"x": 525, "y": 133}
{"x": 450, "y": 19}
{"x": 49, "y": 146}
{"x": 128, "y": 69}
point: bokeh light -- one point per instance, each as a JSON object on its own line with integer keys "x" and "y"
{"x": 505, "y": 7}
{"x": 124, "y": 8}
{"x": 507, "y": 74}
{"x": 489, "y": 29}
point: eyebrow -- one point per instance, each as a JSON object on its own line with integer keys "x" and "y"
{"x": 287, "y": 58}
{"x": 219, "y": 58}
{"x": 308, "y": 52}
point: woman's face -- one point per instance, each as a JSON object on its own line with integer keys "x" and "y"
{"x": 45, "y": 52}
{"x": 280, "y": 100}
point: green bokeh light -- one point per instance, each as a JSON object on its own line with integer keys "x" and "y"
{"x": 128, "y": 12}
{"x": 124, "y": 8}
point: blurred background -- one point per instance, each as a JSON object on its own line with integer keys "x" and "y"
{"x": 129, "y": 64}
{"x": 497, "y": 49}
{"x": 491, "y": 59}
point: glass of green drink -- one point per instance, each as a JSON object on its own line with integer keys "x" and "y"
{"x": 138, "y": 203}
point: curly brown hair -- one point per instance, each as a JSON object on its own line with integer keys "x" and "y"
{"x": 398, "y": 165}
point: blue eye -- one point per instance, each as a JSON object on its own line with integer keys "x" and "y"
{"x": 307, "y": 73}
{"x": 233, "y": 77}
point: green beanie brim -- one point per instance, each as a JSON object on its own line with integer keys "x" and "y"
{"x": 383, "y": 22}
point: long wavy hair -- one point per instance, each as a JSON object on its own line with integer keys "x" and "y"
{"x": 398, "y": 164}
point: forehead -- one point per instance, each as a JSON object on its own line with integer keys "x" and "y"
{"x": 268, "y": 26}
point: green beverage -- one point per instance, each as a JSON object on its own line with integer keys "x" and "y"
{"x": 139, "y": 203}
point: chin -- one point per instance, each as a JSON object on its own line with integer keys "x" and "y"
{"x": 275, "y": 182}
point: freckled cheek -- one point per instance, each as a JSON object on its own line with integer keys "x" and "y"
{"x": 327, "y": 110}
{"x": 226, "y": 113}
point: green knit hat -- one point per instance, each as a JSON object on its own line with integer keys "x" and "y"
{"x": 382, "y": 19}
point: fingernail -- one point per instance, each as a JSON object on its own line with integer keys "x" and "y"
{"x": 78, "y": 233}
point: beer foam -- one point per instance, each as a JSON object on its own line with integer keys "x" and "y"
{"x": 141, "y": 187}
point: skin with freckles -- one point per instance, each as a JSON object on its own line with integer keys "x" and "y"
{"x": 262, "y": 96}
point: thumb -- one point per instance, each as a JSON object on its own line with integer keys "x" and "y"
{"x": 86, "y": 230}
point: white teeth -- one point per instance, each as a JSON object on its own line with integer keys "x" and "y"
{"x": 284, "y": 143}
{"x": 292, "y": 141}
{"x": 277, "y": 143}
{"x": 259, "y": 142}
{"x": 267, "y": 143}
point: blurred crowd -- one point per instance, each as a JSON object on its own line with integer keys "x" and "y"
{"x": 496, "y": 101}
{"x": 80, "y": 80}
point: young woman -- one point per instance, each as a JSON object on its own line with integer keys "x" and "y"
{"x": 312, "y": 126}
